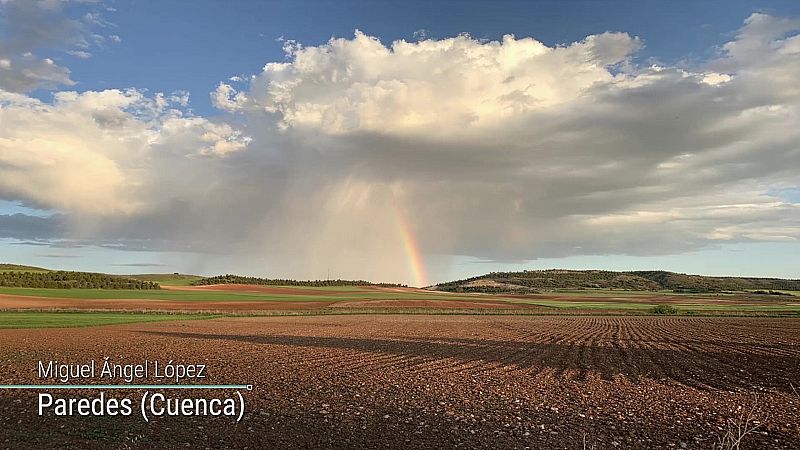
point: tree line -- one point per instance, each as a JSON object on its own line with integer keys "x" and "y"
{"x": 238, "y": 279}
{"x": 605, "y": 279}
{"x": 72, "y": 280}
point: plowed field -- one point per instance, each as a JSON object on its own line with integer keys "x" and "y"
{"x": 399, "y": 381}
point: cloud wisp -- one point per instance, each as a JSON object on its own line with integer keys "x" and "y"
{"x": 31, "y": 26}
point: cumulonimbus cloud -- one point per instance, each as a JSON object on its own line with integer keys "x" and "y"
{"x": 350, "y": 153}
{"x": 515, "y": 149}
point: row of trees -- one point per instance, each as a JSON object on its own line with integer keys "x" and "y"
{"x": 604, "y": 279}
{"x": 70, "y": 280}
{"x": 700, "y": 283}
{"x": 238, "y": 279}
{"x": 532, "y": 280}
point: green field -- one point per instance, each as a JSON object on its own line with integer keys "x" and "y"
{"x": 218, "y": 296}
{"x": 85, "y": 319}
{"x": 629, "y": 302}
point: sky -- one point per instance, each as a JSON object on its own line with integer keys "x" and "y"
{"x": 410, "y": 142}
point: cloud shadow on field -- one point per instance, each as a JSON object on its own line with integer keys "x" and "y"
{"x": 702, "y": 365}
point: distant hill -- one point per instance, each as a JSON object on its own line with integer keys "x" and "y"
{"x": 531, "y": 281}
{"x": 19, "y": 267}
{"x": 237, "y": 279}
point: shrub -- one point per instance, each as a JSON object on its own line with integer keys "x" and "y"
{"x": 739, "y": 427}
{"x": 664, "y": 309}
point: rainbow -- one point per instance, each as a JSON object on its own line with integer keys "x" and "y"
{"x": 415, "y": 262}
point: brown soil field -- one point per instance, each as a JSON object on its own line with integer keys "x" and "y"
{"x": 400, "y": 381}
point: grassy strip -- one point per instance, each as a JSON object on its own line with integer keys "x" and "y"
{"x": 27, "y": 319}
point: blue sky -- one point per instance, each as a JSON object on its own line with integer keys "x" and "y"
{"x": 167, "y": 46}
{"x": 219, "y": 185}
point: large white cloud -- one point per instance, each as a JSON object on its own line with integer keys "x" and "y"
{"x": 343, "y": 155}
{"x": 444, "y": 87}
{"x": 97, "y": 152}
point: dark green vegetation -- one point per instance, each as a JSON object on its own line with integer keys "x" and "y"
{"x": 781, "y": 293}
{"x": 531, "y": 281}
{"x": 167, "y": 279}
{"x": 27, "y": 319}
{"x": 236, "y": 279}
{"x": 664, "y": 309}
{"x": 70, "y": 280}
